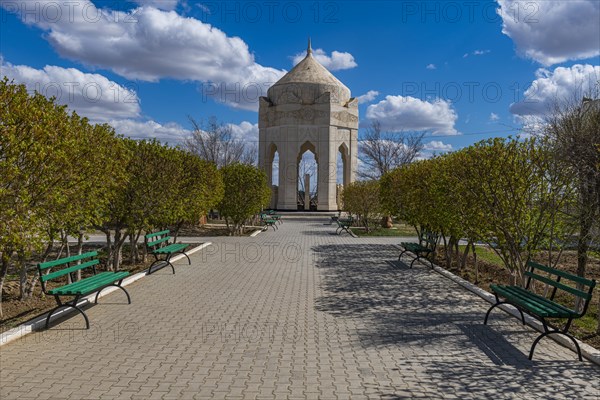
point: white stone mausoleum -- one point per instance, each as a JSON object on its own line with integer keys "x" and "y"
{"x": 308, "y": 109}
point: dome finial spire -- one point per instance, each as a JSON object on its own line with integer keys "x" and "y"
{"x": 309, "y": 49}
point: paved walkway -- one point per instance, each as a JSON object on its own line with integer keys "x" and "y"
{"x": 298, "y": 313}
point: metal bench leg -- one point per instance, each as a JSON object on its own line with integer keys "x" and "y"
{"x": 402, "y": 252}
{"x": 413, "y": 261}
{"x": 537, "y": 340}
{"x": 166, "y": 261}
{"x": 498, "y": 302}
{"x": 548, "y": 332}
{"x": 116, "y": 285}
{"x": 72, "y": 304}
{"x": 186, "y": 256}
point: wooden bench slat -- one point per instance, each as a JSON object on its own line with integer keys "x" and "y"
{"x": 542, "y": 307}
{"x": 66, "y": 260}
{"x": 65, "y": 271}
{"x": 90, "y": 284}
{"x": 154, "y": 234}
{"x": 563, "y": 274}
{"x": 536, "y": 303}
{"x": 159, "y": 241}
{"x": 171, "y": 248}
{"x": 566, "y": 288}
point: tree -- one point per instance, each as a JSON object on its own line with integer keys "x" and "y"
{"x": 53, "y": 176}
{"x": 381, "y": 152}
{"x": 362, "y": 198}
{"x": 214, "y": 142}
{"x": 199, "y": 189}
{"x": 508, "y": 193}
{"x": 246, "y": 193}
{"x": 574, "y": 129}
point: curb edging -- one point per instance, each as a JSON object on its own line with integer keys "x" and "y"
{"x": 590, "y": 353}
{"x": 35, "y": 324}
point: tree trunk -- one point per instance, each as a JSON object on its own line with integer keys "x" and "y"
{"x": 120, "y": 238}
{"x": 132, "y": 249}
{"x": 463, "y": 261}
{"x": 447, "y": 252}
{"x": 22, "y": 275}
{"x": 31, "y": 285}
{"x": 144, "y": 248}
{"x": 476, "y": 264}
{"x": 598, "y": 327}
{"x": 79, "y": 251}
{"x": 582, "y": 244}
{"x": 456, "y": 251}
{"x": 177, "y": 229}
{"x": 4, "y": 263}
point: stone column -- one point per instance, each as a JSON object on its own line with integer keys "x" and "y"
{"x": 306, "y": 192}
{"x": 288, "y": 177}
{"x": 327, "y": 174}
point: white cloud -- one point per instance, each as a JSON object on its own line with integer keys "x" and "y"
{"x": 550, "y": 31}
{"x": 174, "y": 133}
{"x": 431, "y": 66}
{"x": 436, "y": 145}
{"x": 477, "y": 53}
{"x": 397, "y": 113}
{"x": 564, "y": 83}
{"x": 160, "y": 4}
{"x": 170, "y": 132}
{"x": 150, "y": 44}
{"x": 337, "y": 61}
{"x": 91, "y": 95}
{"x": 245, "y": 131}
{"x": 494, "y": 117}
{"x": 368, "y": 97}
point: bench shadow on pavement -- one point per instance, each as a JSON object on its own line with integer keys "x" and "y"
{"x": 418, "y": 309}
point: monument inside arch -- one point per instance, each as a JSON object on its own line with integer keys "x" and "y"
{"x": 308, "y": 109}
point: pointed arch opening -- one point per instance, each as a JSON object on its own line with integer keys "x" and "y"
{"x": 307, "y": 164}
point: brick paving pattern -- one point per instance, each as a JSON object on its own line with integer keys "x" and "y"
{"x": 299, "y": 313}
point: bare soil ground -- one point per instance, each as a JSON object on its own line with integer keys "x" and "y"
{"x": 16, "y": 311}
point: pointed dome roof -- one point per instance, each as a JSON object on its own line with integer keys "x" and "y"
{"x": 311, "y": 79}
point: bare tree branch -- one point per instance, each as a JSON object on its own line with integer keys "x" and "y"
{"x": 381, "y": 152}
{"x": 214, "y": 142}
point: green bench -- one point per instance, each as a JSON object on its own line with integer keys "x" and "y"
{"x": 268, "y": 221}
{"x": 344, "y": 224}
{"x": 426, "y": 247}
{"x": 274, "y": 215}
{"x": 68, "y": 267}
{"x": 159, "y": 246}
{"x": 543, "y": 306}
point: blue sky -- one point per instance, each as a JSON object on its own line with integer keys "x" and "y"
{"x": 460, "y": 71}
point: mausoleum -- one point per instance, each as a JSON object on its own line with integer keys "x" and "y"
{"x": 308, "y": 109}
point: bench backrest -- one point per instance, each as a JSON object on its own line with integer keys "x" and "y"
{"x": 157, "y": 238}
{"x": 67, "y": 266}
{"x": 428, "y": 239}
{"x": 577, "y": 286}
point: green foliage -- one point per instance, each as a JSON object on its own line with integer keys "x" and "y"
{"x": 53, "y": 174}
{"x": 200, "y": 188}
{"x": 246, "y": 193}
{"x": 508, "y": 193}
{"x": 362, "y": 198}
